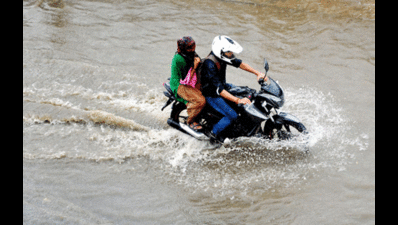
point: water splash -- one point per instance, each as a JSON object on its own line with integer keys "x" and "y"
{"x": 240, "y": 167}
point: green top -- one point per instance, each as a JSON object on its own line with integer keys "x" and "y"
{"x": 177, "y": 65}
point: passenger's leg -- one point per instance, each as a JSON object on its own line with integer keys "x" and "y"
{"x": 196, "y": 101}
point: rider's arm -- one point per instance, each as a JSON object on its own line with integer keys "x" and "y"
{"x": 225, "y": 94}
{"x": 246, "y": 67}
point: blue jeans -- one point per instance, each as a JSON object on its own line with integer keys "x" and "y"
{"x": 221, "y": 106}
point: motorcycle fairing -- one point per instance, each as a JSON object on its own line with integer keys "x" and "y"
{"x": 271, "y": 99}
{"x": 254, "y": 113}
{"x": 274, "y": 89}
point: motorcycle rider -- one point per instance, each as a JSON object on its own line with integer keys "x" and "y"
{"x": 186, "y": 60}
{"x": 214, "y": 86}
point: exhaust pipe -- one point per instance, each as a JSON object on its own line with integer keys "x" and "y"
{"x": 186, "y": 129}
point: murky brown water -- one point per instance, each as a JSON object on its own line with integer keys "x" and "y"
{"x": 97, "y": 149}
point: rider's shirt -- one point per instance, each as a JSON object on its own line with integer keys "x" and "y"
{"x": 213, "y": 79}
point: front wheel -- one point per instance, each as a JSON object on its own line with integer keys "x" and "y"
{"x": 283, "y": 130}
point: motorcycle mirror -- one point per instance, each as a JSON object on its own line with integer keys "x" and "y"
{"x": 266, "y": 66}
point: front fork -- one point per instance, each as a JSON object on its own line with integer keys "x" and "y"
{"x": 279, "y": 121}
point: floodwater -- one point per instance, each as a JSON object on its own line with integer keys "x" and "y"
{"x": 97, "y": 148}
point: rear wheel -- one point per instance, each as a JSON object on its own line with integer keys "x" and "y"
{"x": 179, "y": 112}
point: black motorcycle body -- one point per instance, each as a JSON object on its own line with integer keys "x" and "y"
{"x": 259, "y": 119}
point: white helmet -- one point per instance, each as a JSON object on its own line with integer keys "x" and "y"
{"x": 222, "y": 44}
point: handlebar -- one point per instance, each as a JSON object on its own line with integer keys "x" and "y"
{"x": 261, "y": 81}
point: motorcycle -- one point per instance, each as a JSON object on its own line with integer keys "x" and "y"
{"x": 261, "y": 118}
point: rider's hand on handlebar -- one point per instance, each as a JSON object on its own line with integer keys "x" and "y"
{"x": 244, "y": 101}
{"x": 262, "y": 75}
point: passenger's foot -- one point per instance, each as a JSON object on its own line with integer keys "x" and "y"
{"x": 195, "y": 126}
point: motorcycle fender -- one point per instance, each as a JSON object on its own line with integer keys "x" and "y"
{"x": 283, "y": 118}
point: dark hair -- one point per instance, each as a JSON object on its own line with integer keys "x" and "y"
{"x": 185, "y": 43}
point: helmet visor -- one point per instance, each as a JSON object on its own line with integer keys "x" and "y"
{"x": 228, "y": 54}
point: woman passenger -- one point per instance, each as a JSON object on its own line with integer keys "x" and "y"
{"x": 184, "y": 83}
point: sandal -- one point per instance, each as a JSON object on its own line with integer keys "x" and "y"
{"x": 195, "y": 126}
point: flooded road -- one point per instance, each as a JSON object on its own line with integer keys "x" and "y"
{"x": 97, "y": 148}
